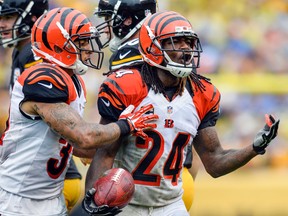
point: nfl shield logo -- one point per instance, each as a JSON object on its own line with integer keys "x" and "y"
{"x": 169, "y": 109}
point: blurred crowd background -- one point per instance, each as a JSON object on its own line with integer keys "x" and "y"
{"x": 245, "y": 53}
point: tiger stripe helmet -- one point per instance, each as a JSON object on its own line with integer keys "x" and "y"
{"x": 53, "y": 38}
{"x": 166, "y": 26}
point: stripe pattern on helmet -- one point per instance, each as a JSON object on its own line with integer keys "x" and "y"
{"x": 67, "y": 17}
{"x": 163, "y": 22}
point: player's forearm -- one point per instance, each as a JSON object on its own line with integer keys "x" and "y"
{"x": 65, "y": 121}
{"x": 229, "y": 161}
{"x": 215, "y": 159}
{"x": 92, "y": 136}
{"x": 101, "y": 162}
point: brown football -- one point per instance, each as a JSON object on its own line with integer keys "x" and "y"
{"x": 115, "y": 188}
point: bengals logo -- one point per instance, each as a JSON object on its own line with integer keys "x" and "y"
{"x": 169, "y": 123}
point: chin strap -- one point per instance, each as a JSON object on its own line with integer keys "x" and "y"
{"x": 177, "y": 71}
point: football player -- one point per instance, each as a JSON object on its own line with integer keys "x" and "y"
{"x": 188, "y": 108}
{"x": 123, "y": 20}
{"x": 16, "y": 20}
{"x": 45, "y": 125}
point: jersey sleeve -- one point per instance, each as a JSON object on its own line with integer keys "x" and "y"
{"x": 207, "y": 105}
{"x": 119, "y": 90}
{"x": 45, "y": 83}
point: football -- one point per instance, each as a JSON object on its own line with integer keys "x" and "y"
{"x": 115, "y": 188}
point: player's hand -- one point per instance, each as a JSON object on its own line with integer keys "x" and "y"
{"x": 92, "y": 209}
{"x": 266, "y": 135}
{"x": 137, "y": 122}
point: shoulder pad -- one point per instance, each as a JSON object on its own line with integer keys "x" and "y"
{"x": 207, "y": 100}
{"x": 47, "y": 83}
{"x": 122, "y": 88}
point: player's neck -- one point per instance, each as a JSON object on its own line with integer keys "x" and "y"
{"x": 22, "y": 43}
{"x": 167, "y": 79}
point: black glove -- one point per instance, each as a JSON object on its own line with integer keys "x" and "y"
{"x": 266, "y": 135}
{"x": 92, "y": 209}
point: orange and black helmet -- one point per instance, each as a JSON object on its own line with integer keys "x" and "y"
{"x": 163, "y": 26}
{"x": 54, "y": 35}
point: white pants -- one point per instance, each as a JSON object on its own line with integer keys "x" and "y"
{"x": 174, "y": 209}
{"x": 14, "y": 205}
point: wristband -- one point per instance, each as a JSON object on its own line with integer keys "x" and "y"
{"x": 259, "y": 150}
{"x": 124, "y": 127}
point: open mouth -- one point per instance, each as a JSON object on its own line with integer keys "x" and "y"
{"x": 87, "y": 61}
{"x": 5, "y": 35}
{"x": 186, "y": 58}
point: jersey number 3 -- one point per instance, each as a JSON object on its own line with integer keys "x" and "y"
{"x": 56, "y": 167}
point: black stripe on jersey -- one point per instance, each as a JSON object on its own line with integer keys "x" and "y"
{"x": 48, "y": 71}
{"x": 115, "y": 84}
{"x": 110, "y": 112}
{"x": 77, "y": 84}
{"x": 45, "y": 85}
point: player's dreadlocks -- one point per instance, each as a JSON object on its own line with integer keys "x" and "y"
{"x": 151, "y": 78}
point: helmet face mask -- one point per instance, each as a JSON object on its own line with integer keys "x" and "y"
{"x": 191, "y": 56}
{"x": 105, "y": 28}
{"x": 26, "y": 12}
{"x": 159, "y": 41}
{"x": 80, "y": 42}
{"x": 66, "y": 37}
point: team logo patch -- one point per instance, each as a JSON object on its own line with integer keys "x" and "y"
{"x": 169, "y": 123}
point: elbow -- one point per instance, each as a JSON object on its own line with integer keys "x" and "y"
{"x": 213, "y": 172}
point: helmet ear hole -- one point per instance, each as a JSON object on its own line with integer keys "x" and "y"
{"x": 153, "y": 53}
{"x": 24, "y": 30}
{"x": 57, "y": 49}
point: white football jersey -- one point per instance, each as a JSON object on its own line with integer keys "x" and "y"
{"x": 33, "y": 158}
{"x": 156, "y": 163}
